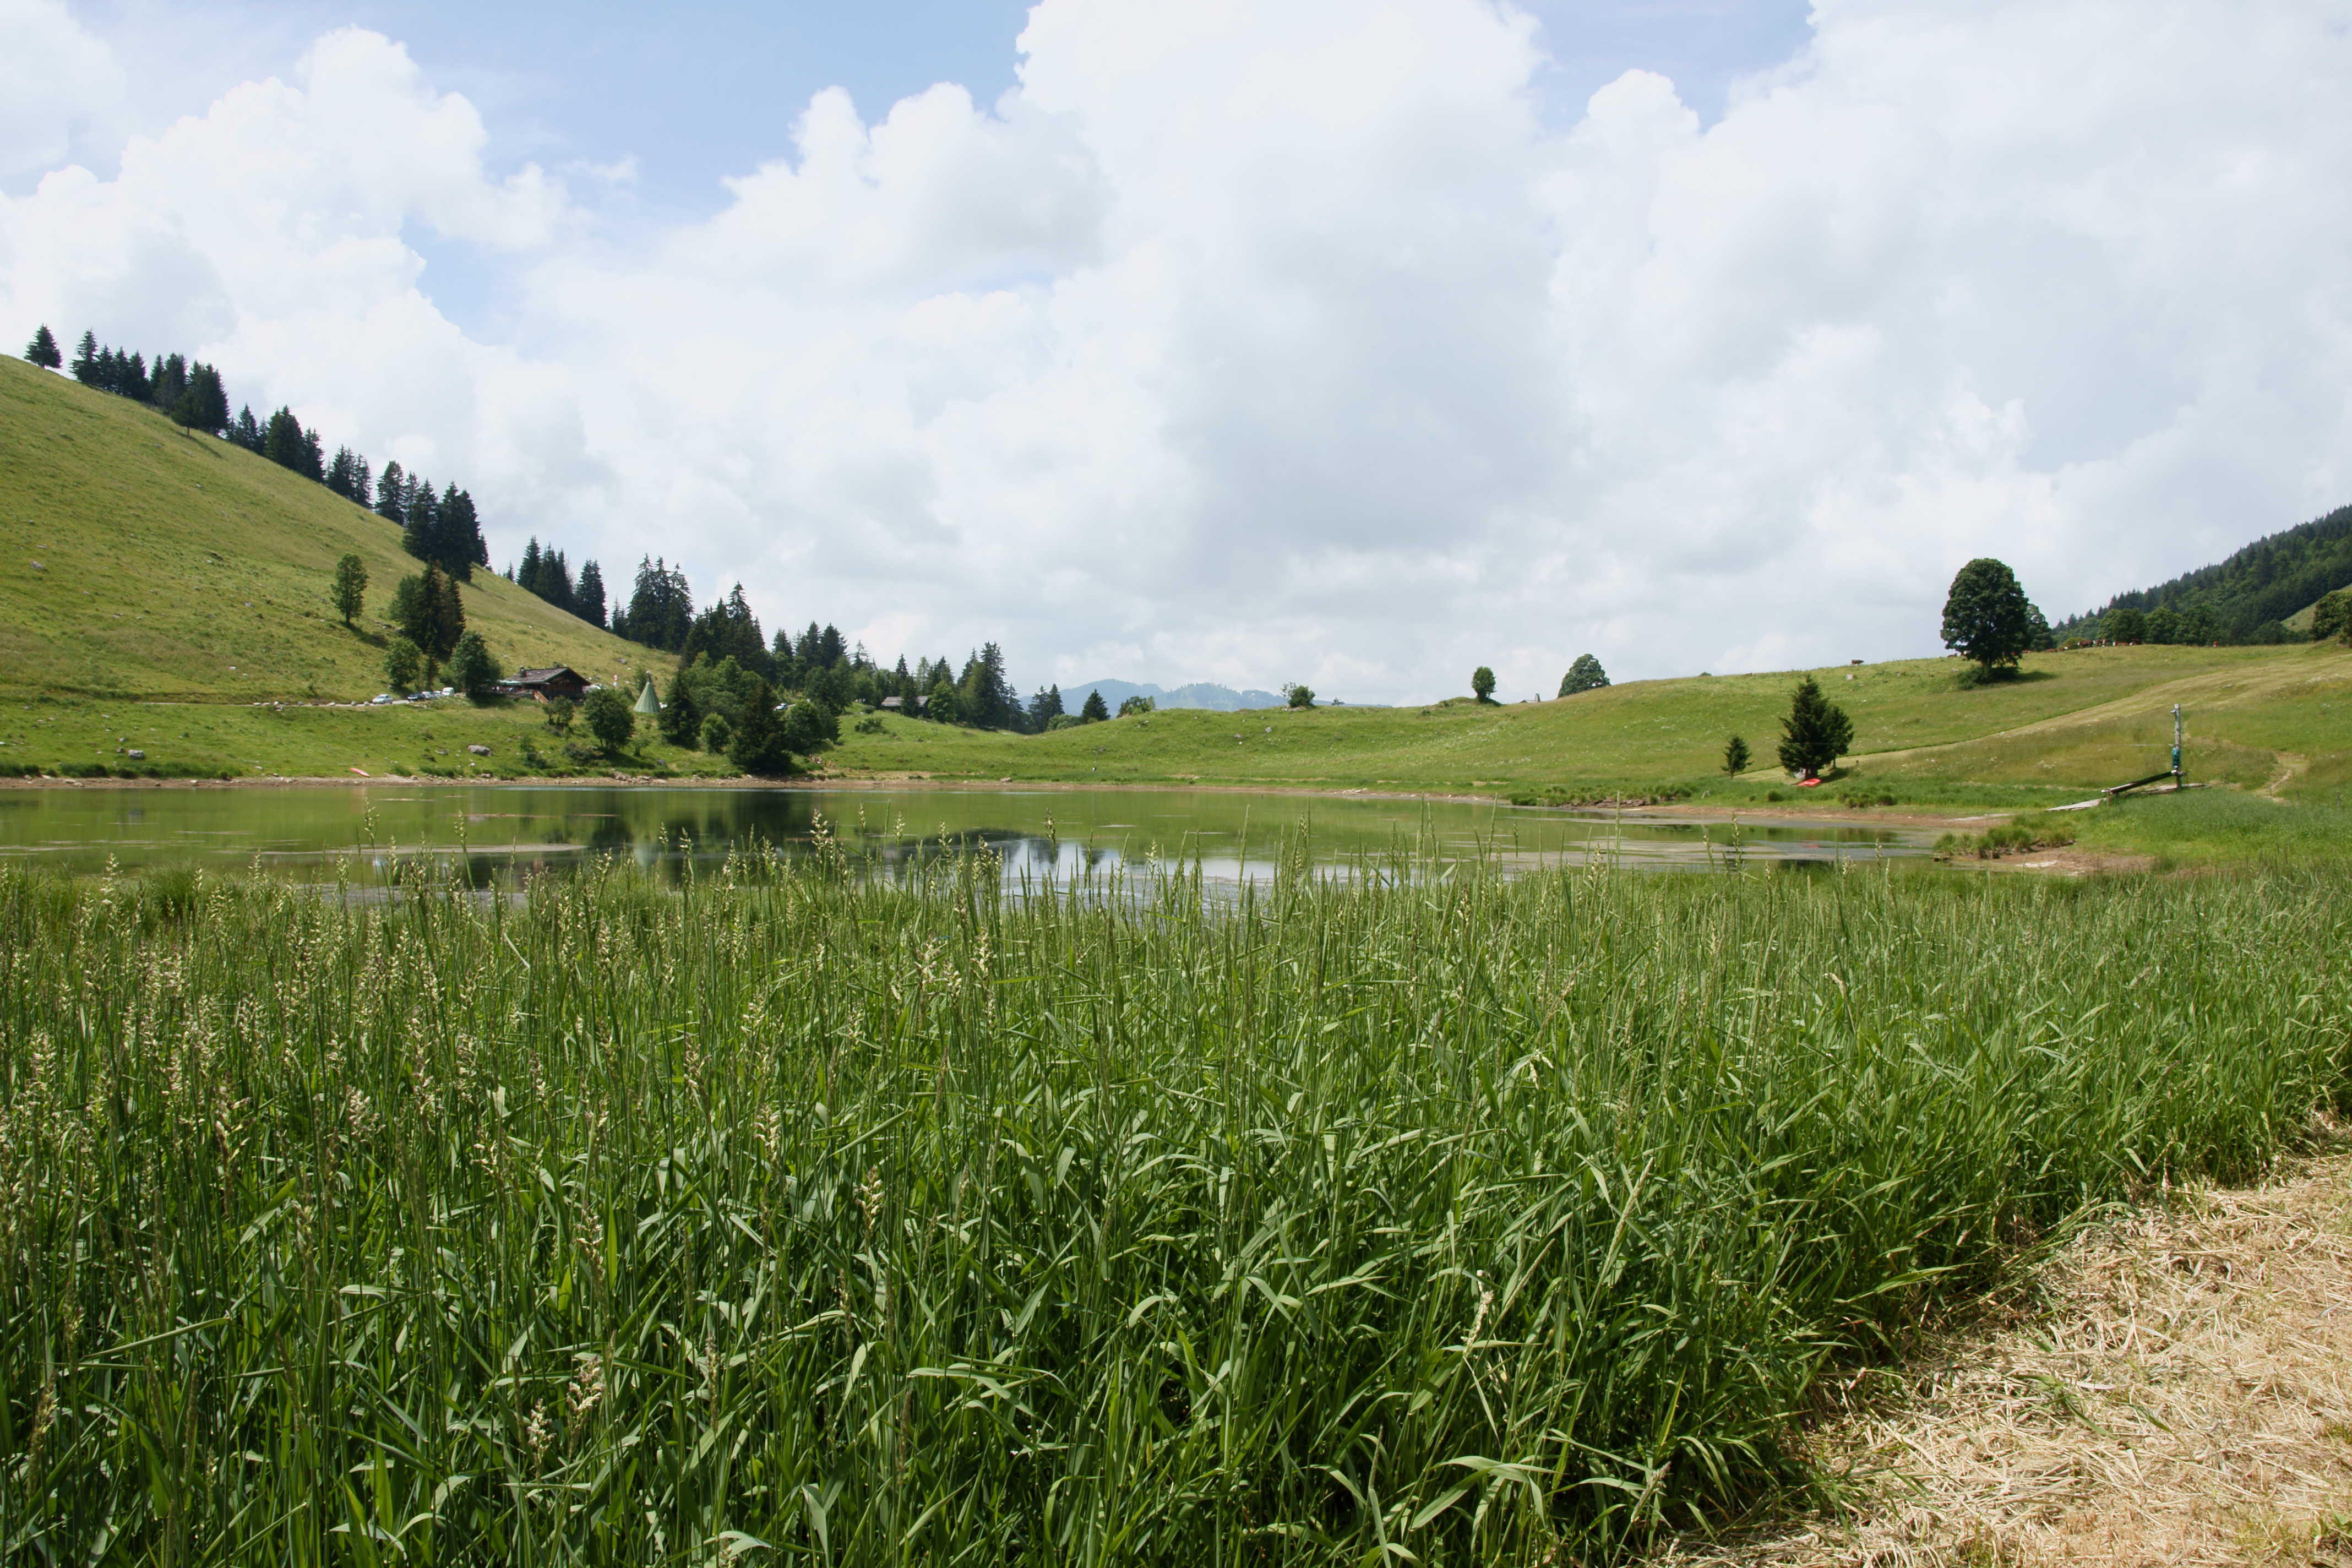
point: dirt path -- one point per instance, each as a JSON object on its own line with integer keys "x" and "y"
{"x": 2182, "y": 1394}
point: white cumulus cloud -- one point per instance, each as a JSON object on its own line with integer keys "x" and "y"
{"x": 1289, "y": 340}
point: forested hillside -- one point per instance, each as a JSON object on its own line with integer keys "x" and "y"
{"x": 2246, "y": 598}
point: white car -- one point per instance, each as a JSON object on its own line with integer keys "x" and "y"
{"x": 380, "y": 697}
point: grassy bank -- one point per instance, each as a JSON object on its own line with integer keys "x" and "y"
{"x": 1486, "y": 1221}
{"x": 63, "y": 735}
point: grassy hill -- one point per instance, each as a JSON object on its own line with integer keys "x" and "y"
{"x": 2077, "y": 721}
{"x": 136, "y": 560}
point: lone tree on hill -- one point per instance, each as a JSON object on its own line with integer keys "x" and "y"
{"x": 1095, "y": 709}
{"x": 1815, "y": 734}
{"x": 1584, "y": 675}
{"x": 1986, "y": 618}
{"x": 608, "y": 717}
{"x": 1299, "y": 695}
{"x": 43, "y": 350}
{"x": 1482, "y": 684}
{"x": 350, "y": 588}
{"x": 1735, "y": 756}
{"x": 1139, "y": 703}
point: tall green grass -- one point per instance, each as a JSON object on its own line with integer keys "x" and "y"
{"x": 1445, "y": 1219}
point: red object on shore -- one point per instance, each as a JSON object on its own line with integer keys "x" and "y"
{"x": 1808, "y": 783}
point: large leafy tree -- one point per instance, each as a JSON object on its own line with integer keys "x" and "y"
{"x": 402, "y": 664}
{"x": 1986, "y": 618}
{"x": 1584, "y": 675}
{"x": 608, "y": 717}
{"x": 1482, "y": 684}
{"x": 472, "y": 670}
{"x": 1815, "y": 734}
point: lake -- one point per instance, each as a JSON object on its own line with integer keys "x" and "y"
{"x": 488, "y": 831}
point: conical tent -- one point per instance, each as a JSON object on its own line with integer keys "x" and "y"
{"x": 646, "y": 701}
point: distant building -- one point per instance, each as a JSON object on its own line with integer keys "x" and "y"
{"x": 898, "y": 704}
{"x": 561, "y": 681}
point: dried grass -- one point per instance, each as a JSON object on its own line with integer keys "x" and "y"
{"x": 2178, "y": 1391}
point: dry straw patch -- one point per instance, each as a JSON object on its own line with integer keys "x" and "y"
{"x": 2181, "y": 1392}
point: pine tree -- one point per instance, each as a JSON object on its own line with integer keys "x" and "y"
{"x": 1095, "y": 709}
{"x": 428, "y": 611}
{"x": 588, "y": 594}
{"x": 84, "y": 363}
{"x": 282, "y": 441}
{"x": 758, "y": 745}
{"x": 134, "y": 383}
{"x": 1735, "y": 755}
{"x": 526, "y": 576}
{"x": 43, "y": 350}
{"x": 350, "y": 593}
{"x": 246, "y": 432}
{"x": 170, "y": 380}
{"x": 212, "y": 398}
{"x": 340, "y": 473}
{"x": 391, "y": 492}
{"x": 1815, "y": 734}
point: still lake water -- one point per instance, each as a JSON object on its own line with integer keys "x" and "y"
{"x": 491, "y": 831}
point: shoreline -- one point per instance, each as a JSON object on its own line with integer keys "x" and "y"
{"x": 1892, "y": 818}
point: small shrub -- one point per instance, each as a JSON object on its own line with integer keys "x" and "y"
{"x": 2008, "y": 838}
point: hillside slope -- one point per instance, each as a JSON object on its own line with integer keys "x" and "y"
{"x": 2270, "y": 582}
{"x": 136, "y": 560}
{"x": 2079, "y": 721}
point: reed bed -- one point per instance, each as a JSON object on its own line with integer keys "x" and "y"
{"x": 786, "y": 1217}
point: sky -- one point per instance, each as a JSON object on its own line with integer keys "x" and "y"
{"x": 1350, "y": 342}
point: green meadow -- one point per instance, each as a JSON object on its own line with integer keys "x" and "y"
{"x": 1420, "y": 1216}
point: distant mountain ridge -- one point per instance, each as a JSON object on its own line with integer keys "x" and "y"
{"x": 1199, "y": 694}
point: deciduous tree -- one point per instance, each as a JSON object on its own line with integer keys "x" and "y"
{"x": 472, "y": 670}
{"x": 402, "y": 664}
{"x": 1482, "y": 684}
{"x": 1986, "y": 616}
{"x": 1584, "y": 675}
{"x": 608, "y": 717}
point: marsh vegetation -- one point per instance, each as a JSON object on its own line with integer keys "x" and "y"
{"x": 1477, "y": 1218}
